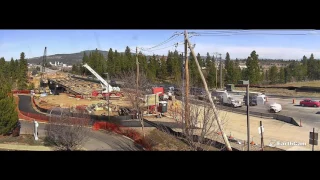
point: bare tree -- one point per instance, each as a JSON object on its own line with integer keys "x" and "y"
{"x": 136, "y": 97}
{"x": 203, "y": 132}
{"x": 67, "y": 128}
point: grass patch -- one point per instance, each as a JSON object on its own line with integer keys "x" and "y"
{"x": 281, "y": 92}
{"x": 299, "y": 84}
{"x": 22, "y": 139}
{"x": 8, "y": 150}
{"x": 161, "y": 141}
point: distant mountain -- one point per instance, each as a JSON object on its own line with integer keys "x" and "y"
{"x": 74, "y": 58}
{"x": 69, "y": 59}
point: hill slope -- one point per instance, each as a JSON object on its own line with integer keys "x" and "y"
{"x": 64, "y": 58}
{"x": 74, "y": 58}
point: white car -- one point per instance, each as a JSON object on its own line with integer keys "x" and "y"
{"x": 275, "y": 107}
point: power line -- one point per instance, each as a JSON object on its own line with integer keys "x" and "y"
{"x": 174, "y": 36}
{"x": 247, "y": 33}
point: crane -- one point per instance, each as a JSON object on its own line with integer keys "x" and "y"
{"x": 44, "y": 60}
{"x": 105, "y": 85}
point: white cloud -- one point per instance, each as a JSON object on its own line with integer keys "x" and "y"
{"x": 241, "y": 51}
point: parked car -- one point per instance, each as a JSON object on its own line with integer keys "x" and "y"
{"x": 309, "y": 103}
{"x": 275, "y": 107}
{"x": 252, "y": 100}
{"x": 197, "y": 91}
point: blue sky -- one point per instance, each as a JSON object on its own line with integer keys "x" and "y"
{"x": 239, "y": 43}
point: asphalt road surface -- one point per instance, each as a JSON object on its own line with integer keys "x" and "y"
{"x": 25, "y": 104}
{"x": 308, "y": 115}
{"x": 98, "y": 141}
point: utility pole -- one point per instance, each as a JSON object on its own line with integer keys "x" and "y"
{"x": 248, "y": 120}
{"x": 221, "y": 83}
{"x": 313, "y": 141}
{"x": 224, "y": 136}
{"x": 108, "y": 79}
{"x": 261, "y": 130}
{"x": 140, "y": 114}
{"x": 182, "y": 88}
{"x": 186, "y": 68}
{"x": 137, "y": 63}
{"x": 215, "y": 64}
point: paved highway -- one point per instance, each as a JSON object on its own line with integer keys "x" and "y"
{"x": 309, "y": 115}
{"x": 98, "y": 141}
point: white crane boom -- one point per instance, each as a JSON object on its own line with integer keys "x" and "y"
{"x": 104, "y": 82}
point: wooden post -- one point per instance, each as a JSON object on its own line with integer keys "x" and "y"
{"x": 187, "y": 113}
{"x": 225, "y": 138}
{"x": 262, "y": 143}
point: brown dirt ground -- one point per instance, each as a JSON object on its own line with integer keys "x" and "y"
{"x": 286, "y": 92}
{"x": 299, "y": 84}
{"x": 21, "y": 140}
{"x": 63, "y": 100}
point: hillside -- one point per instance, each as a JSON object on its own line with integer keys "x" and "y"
{"x": 64, "y": 58}
{"x": 74, "y": 58}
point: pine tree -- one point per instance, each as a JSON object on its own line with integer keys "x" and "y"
{"x": 152, "y": 68}
{"x": 128, "y": 59}
{"x": 163, "y": 65}
{"x": 211, "y": 71}
{"x": 236, "y": 72}
{"x": 229, "y": 66}
{"x": 312, "y": 68}
{"x": 143, "y": 65}
{"x": 12, "y": 70}
{"x": 8, "y": 112}
{"x": 273, "y": 76}
{"x": 110, "y": 62}
{"x": 253, "y": 69}
{"x": 117, "y": 62}
{"x": 23, "y": 69}
{"x": 85, "y": 59}
{"x": 176, "y": 66}
{"x": 170, "y": 63}
{"x": 282, "y": 75}
{"x": 2, "y": 65}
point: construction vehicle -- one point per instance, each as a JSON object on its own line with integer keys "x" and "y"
{"x": 108, "y": 90}
{"x": 234, "y": 100}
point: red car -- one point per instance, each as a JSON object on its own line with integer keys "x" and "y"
{"x": 310, "y": 103}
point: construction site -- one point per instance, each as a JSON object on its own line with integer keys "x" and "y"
{"x": 96, "y": 95}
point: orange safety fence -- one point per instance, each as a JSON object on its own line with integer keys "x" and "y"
{"x": 131, "y": 133}
{"x": 21, "y": 91}
{"x": 38, "y": 117}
